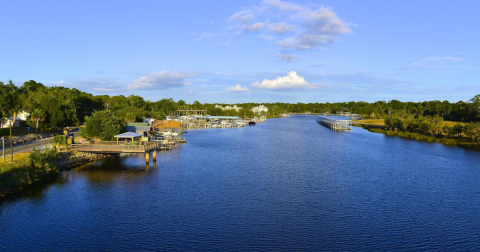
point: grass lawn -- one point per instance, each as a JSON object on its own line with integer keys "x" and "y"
{"x": 371, "y": 121}
{"x": 452, "y": 123}
{"x": 16, "y": 157}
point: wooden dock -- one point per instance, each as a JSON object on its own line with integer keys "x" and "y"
{"x": 112, "y": 147}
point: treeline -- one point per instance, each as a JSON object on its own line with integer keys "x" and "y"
{"x": 459, "y": 111}
{"x": 57, "y": 107}
{"x": 431, "y": 125}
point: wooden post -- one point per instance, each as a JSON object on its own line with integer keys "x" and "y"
{"x": 154, "y": 155}
{"x": 147, "y": 160}
{"x": 3, "y": 141}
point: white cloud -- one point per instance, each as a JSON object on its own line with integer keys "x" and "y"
{"x": 162, "y": 80}
{"x": 284, "y": 6}
{"x": 287, "y": 57}
{"x": 237, "y": 88}
{"x": 254, "y": 27}
{"x": 442, "y": 60}
{"x": 206, "y": 35}
{"x": 281, "y": 28}
{"x": 291, "y": 81}
{"x": 320, "y": 27}
{"x": 266, "y": 37}
{"x": 242, "y": 16}
{"x": 313, "y": 28}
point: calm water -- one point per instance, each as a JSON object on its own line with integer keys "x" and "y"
{"x": 286, "y": 184}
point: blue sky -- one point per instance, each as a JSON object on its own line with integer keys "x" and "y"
{"x": 246, "y": 51}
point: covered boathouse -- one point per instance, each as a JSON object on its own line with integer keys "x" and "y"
{"x": 335, "y": 122}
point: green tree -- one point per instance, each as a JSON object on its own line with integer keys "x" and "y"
{"x": 38, "y": 115}
{"x": 102, "y": 124}
{"x": 472, "y": 130}
{"x": 10, "y": 96}
{"x": 457, "y": 129}
{"x": 130, "y": 117}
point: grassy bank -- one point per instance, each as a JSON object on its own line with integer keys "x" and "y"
{"x": 36, "y": 168}
{"x": 444, "y": 140}
{"x": 381, "y": 122}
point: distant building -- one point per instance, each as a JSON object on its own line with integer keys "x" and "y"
{"x": 149, "y": 120}
{"x": 259, "y": 109}
{"x": 228, "y": 107}
{"x": 22, "y": 116}
{"x": 5, "y": 123}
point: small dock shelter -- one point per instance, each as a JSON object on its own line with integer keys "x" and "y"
{"x": 335, "y": 122}
{"x": 130, "y": 135}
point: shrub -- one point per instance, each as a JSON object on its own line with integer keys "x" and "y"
{"x": 59, "y": 140}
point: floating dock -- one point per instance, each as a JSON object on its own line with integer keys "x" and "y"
{"x": 340, "y": 123}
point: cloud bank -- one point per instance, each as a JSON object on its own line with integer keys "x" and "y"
{"x": 162, "y": 80}
{"x": 297, "y": 27}
{"x": 287, "y": 57}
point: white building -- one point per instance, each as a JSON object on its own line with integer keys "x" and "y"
{"x": 5, "y": 123}
{"x": 149, "y": 120}
{"x": 259, "y": 109}
{"x": 22, "y": 116}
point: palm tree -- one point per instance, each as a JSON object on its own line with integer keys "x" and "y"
{"x": 39, "y": 116}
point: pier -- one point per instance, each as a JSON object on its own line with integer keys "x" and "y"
{"x": 132, "y": 143}
{"x": 335, "y": 122}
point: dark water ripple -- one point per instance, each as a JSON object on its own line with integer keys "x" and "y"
{"x": 287, "y": 184}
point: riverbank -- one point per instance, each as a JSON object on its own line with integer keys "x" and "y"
{"x": 40, "y": 167}
{"x": 416, "y": 136}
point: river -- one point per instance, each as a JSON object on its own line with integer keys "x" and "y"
{"x": 286, "y": 184}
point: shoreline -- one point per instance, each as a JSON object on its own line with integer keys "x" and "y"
{"x": 424, "y": 138}
{"x": 21, "y": 179}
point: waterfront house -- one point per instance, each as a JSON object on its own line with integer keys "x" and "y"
{"x": 259, "y": 109}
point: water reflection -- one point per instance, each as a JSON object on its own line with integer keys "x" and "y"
{"x": 287, "y": 184}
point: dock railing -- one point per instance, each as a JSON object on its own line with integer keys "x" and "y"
{"x": 110, "y": 148}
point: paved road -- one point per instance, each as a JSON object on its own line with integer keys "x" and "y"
{"x": 29, "y": 145}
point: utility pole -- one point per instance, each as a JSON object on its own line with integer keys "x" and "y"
{"x": 3, "y": 142}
